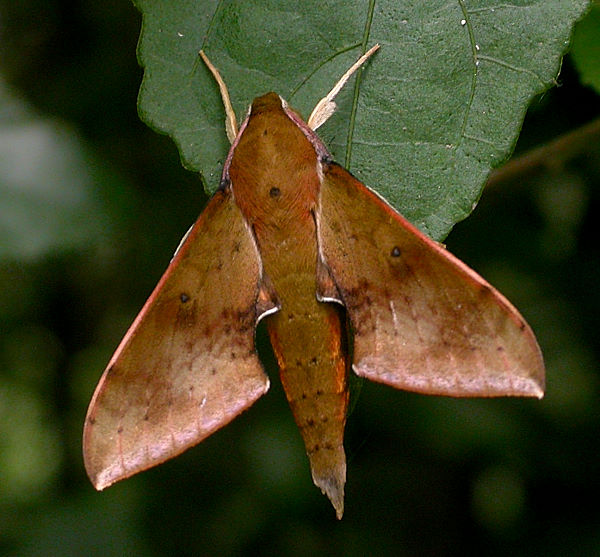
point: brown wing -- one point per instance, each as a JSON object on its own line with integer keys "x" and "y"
{"x": 423, "y": 321}
{"x": 187, "y": 365}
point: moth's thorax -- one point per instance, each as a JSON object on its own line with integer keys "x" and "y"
{"x": 273, "y": 169}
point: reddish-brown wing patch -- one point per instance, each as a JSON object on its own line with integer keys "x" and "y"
{"x": 187, "y": 365}
{"x": 423, "y": 321}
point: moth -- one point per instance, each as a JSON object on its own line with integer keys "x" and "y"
{"x": 293, "y": 237}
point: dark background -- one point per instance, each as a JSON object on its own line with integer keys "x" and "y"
{"x": 95, "y": 207}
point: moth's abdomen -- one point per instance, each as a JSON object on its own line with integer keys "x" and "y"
{"x": 308, "y": 340}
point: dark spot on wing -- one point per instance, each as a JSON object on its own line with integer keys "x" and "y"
{"x": 395, "y": 251}
{"x": 238, "y": 319}
{"x": 335, "y": 226}
{"x": 112, "y": 370}
{"x": 120, "y": 429}
{"x": 274, "y": 192}
{"x": 485, "y": 290}
{"x": 186, "y": 312}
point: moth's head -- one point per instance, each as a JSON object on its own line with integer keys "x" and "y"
{"x": 267, "y": 103}
{"x": 271, "y": 104}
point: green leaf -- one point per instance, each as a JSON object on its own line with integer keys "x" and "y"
{"x": 438, "y": 106}
{"x": 586, "y": 48}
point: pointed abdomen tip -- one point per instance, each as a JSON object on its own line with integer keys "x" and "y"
{"x": 333, "y": 487}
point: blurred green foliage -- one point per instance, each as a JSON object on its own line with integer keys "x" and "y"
{"x": 92, "y": 204}
{"x": 585, "y": 48}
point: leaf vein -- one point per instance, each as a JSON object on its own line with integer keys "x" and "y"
{"x": 318, "y": 67}
{"x": 503, "y": 6}
{"x": 211, "y": 24}
{"x": 352, "y": 120}
{"x": 505, "y": 64}
{"x": 467, "y": 22}
{"x": 481, "y": 140}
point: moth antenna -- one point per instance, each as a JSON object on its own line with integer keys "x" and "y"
{"x": 231, "y": 126}
{"x": 326, "y": 106}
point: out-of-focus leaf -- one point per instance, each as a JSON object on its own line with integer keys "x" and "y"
{"x": 586, "y": 48}
{"x": 49, "y": 184}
